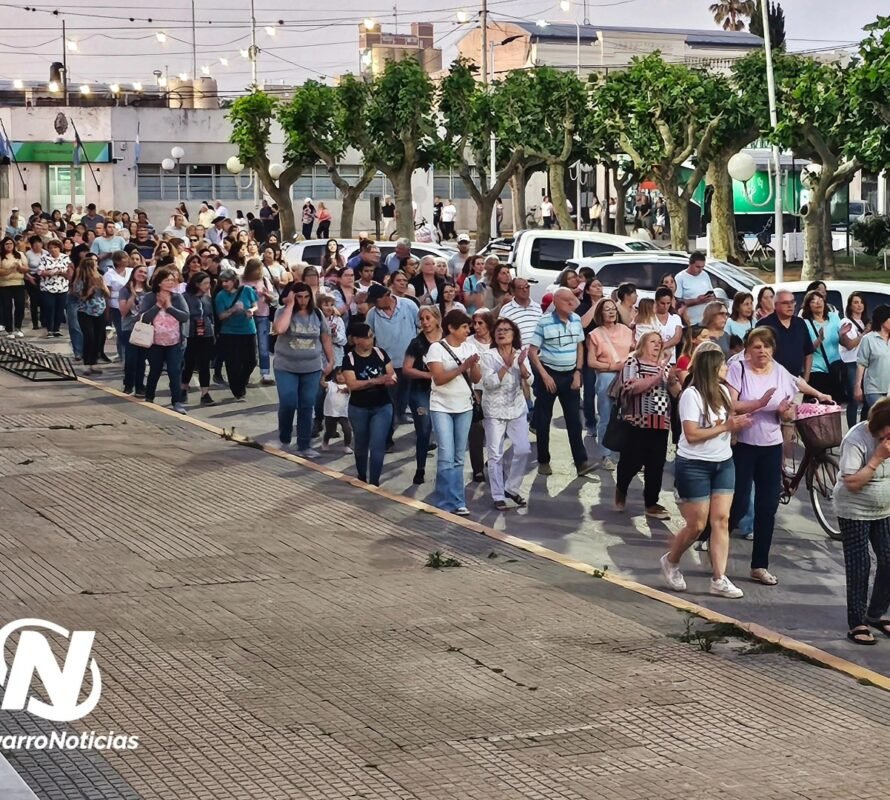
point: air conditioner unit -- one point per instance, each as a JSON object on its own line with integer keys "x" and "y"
{"x": 118, "y": 151}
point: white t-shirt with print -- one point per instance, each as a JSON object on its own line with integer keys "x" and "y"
{"x": 453, "y": 397}
{"x": 692, "y": 409}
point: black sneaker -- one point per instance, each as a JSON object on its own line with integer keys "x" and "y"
{"x": 219, "y": 380}
{"x": 518, "y": 499}
{"x": 419, "y": 477}
{"x": 104, "y": 359}
{"x": 207, "y": 400}
{"x": 140, "y": 393}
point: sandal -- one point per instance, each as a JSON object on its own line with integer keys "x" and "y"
{"x": 765, "y": 577}
{"x": 882, "y": 625}
{"x": 861, "y": 635}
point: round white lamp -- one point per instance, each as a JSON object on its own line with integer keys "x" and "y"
{"x": 275, "y": 171}
{"x": 234, "y": 165}
{"x": 168, "y": 164}
{"x": 811, "y": 174}
{"x": 177, "y": 153}
{"x": 742, "y": 167}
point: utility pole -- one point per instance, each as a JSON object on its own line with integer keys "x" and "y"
{"x": 254, "y": 51}
{"x": 194, "y": 46}
{"x": 777, "y": 160}
{"x": 64, "y": 63}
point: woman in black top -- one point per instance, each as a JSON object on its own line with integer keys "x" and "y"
{"x": 415, "y": 368}
{"x": 199, "y": 349}
{"x": 369, "y": 373}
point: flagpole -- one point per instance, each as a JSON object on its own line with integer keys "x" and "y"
{"x": 11, "y": 151}
{"x": 78, "y": 145}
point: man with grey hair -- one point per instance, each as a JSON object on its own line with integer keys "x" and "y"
{"x": 794, "y": 347}
{"x": 397, "y": 258}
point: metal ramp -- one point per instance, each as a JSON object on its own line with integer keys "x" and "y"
{"x": 34, "y": 363}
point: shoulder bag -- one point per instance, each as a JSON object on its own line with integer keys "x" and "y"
{"x": 617, "y": 435}
{"x": 478, "y": 415}
{"x": 142, "y": 334}
{"x": 837, "y": 371}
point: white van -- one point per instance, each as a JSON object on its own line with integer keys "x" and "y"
{"x": 874, "y": 294}
{"x": 540, "y": 255}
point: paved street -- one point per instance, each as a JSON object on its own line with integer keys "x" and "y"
{"x": 575, "y": 517}
{"x": 269, "y": 632}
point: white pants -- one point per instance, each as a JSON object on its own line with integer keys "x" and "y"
{"x": 497, "y": 431}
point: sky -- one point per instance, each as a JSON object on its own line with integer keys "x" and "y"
{"x": 116, "y": 42}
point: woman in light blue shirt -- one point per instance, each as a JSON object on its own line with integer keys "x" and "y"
{"x": 824, "y": 327}
{"x": 741, "y": 318}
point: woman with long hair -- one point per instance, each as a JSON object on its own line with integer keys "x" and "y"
{"x": 307, "y": 217}
{"x": 504, "y": 368}
{"x": 344, "y": 294}
{"x": 448, "y": 301}
{"x": 482, "y": 339}
{"x": 324, "y": 221}
{"x": 91, "y": 295}
{"x": 474, "y": 283}
{"x": 741, "y": 318}
{"x": 266, "y": 299}
{"x": 165, "y": 309}
{"x": 567, "y": 279}
{"x": 415, "y": 369}
{"x": 303, "y": 353}
{"x": 235, "y": 306}
{"x": 498, "y": 293}
{"x": 714, "y": 318}
{"x": 853, "y": 327}
{"x": 13, "y": 268}
{"x": 646, "y": 383}
{"x": 163, "y": 255}
{"x": 824, "y": 326}
{"x": 766, "y": 302}
{"x": 704, "y": 472}
{"x": 235, "y": 258}
{"x": 199, "y": 346}
{"x": 454, "y": 365}
{"x": 129, "y": 297}
{"x": 332, "y": 257}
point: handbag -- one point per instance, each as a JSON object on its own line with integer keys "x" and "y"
{"x": 617, "y": 433}
{"x": 478, "y": 414}
{"x": 143, "y": 334}
{"x": 837, "y": 373}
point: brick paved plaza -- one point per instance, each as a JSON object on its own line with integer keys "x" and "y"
{"x": 270, "y": 632}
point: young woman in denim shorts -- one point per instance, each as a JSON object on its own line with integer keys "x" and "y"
{"x": 704, "y": 475}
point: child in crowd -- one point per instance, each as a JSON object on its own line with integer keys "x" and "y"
{"x": 336, "y": 410}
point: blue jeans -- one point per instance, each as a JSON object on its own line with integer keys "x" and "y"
{"x": 604, "y": 407}
{"x": 870, "y": 400}
{"x": 160, "y": 356}
{"x": 758, "y": 467}
{"x": 589, "y": 376}
{"x": 134, "y": 364}
{"x": 53, "y": 309}
{"x": 419, "y": 401}
{"x": 263, "y": 325}
{"x": 452, "y": 433}
{"x": 74, "y": 326}
{"x": 116, "y": 322}
{"x": 370, "y": 427}
{"x": 296, "y": 395}
{"x": 853, "y": 408}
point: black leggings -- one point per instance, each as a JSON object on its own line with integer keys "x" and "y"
{"x": 93, "y": 329}
{"x": 34, "y": 303}
{"x": 646, "y": 449}
{"x": 198, "y": 356}
{"x": 12, "y": 307}
{"x": 239, "y": 352}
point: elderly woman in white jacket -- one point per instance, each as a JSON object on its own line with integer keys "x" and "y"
{"x": 504, "y": 366}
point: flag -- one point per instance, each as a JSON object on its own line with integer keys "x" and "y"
{"x": 137, "y": 147}
{"x": 75, "y": 159}
{"x": 5, "y": 149}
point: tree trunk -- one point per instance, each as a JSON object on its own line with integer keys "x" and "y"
{"x": 812, "y": 227}
{"x": 282, "y": 195}
{"x": 724, "y": 236}
{"x": 484, "y": 210}
{"x": 620, "y": 203}
{"x": 517, "y": 194}
{"x": 828, "y": 263}
{"x": 401, "y": 182}
{"x": 347, "y": 213}
{"x": 557, "y": 170}
{"x": 678, "y": 208}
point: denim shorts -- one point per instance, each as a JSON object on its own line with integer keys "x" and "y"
{"x": 695, "y": 481}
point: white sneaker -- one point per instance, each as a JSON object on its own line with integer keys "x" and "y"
{"x": 308, "y": 453}
{"x": 19, "y": 335}
{"x": 672, "y": 574}
{"x": 724, "y": 587}
{"x": 348, "y": 450}
{"x": 702, "y": 545}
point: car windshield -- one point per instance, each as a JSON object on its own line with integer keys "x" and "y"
{"x": 637, "y": 245}
{"x": 738, "y": 275}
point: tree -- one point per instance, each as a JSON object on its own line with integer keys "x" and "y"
{"x": 470, "y": 115}
{"x": 391, "y": 121}
{"x": 731, "y": 13}
{"x": 318, "y": 116}
{"x": 776, "y": 19}
{"x": 252, "y": 117}
{"x": 542, "y": 108}
{"x": 664, "y": 117}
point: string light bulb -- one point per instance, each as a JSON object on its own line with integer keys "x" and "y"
{"x": 183, "y": 76}
{"x": 162, "y": 81}
{"x": 462, "y": 17}
{"x": 84, "y": 89}
{"x": 18, "y": 83}
{"x": 205, "y": 69}
{"x": 161, "y": 36}
{"x": 137, "y": 86}
{"x": 244, "y": 53}
{"x": 115, "y": 88}
{"x": 71, "y": 44}
{"x": 270, "y": 31}
{"x": 369, "y": 24}
{"x": 54, "y": 86}
{"x": 224, "y": 62}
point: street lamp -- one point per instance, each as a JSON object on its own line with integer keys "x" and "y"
{"x": 492, "y": 167}
{"x": 742, "y": 168}
{"x": 275, "y": 171}
{"x": 169, "y": 164}
{"x": 235, "y": 166}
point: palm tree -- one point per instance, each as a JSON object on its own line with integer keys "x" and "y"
{"x": 730, "y": 13}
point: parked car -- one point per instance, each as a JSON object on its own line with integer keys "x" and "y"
{"x": 646, "y": 270}
{"x": 312, "y": 250}
{"x": 875, "y": 294}
{"x": 539, "y": 255}
{"x": 860, "y": 210}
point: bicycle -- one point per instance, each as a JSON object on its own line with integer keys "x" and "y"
{"x": 531, "y": 221}
{"x": 423, "y": 232}
{"x": 818, "y": 468}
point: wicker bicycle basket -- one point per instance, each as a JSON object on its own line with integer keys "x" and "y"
{"x": 820, "y": 432}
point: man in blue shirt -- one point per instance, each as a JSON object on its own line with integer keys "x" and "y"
{"x": 557, "y": 355}
{"x": 106, "y": 246}
{"x": 397, "y": 258}
{"x": 394, "y": 323}
{"x": 794, "y": 347}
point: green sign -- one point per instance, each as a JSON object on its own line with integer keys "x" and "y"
{"x": 52, "y": 153}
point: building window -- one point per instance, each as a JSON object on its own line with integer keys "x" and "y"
{"x": 195, "y": 182}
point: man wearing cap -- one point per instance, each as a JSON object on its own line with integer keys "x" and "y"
{"x": 92, "y": 220}
{"x": 216, "y": 232}
{"x": 397, "y": 258}
{"x": 456, "y": 262}
{"x": 394, "y": 323}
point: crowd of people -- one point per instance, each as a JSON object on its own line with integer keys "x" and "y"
{"x": 457, "y": 348}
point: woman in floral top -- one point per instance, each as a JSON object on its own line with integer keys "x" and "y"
{"x": 646, "y": 380}
{"x": 53, "y": 272}
{"x": 90, "y": 300}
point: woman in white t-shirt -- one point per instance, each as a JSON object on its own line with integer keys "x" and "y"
{"x": 853, "y": 327}
{"x": 453, "y": 363}
{"x": 704, "y": 473}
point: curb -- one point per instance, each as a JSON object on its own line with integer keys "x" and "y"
{"x": 806, "y": 651}
{"x": 12, "y": 786}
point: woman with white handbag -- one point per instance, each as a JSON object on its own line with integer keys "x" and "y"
{"x": 167, "y": 312}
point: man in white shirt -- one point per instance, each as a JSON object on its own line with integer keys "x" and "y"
{"x": 694, "y": 289}
{"x": 456, "y": 262}
{"x": 449, "y": 215}
{"x": 522, "y": 310}
{"x": 177, "y": 230}
{"x": 221, "y": 210}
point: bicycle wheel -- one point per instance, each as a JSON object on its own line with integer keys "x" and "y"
{"x": 820, "y": 483}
